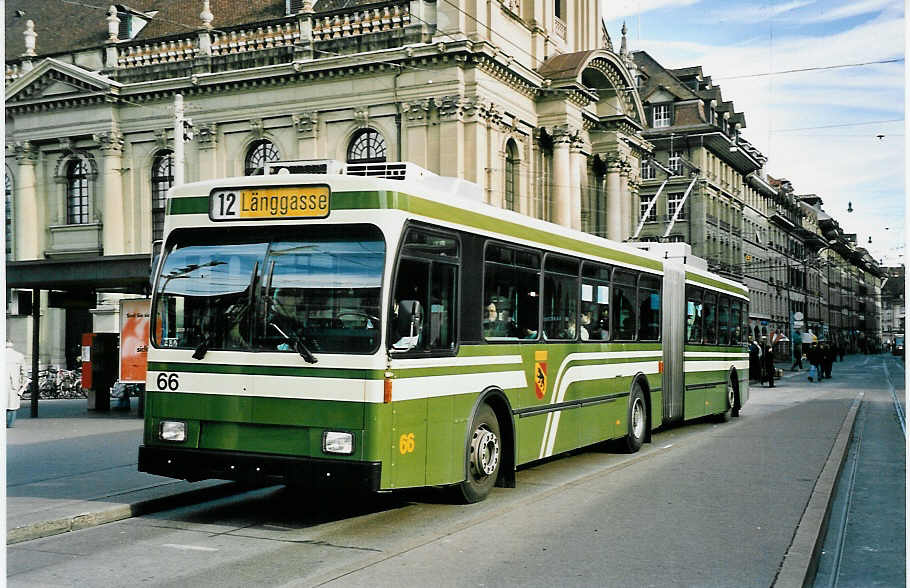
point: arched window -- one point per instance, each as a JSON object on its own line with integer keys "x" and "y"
{"x": 162, "y": 180}
{"x": 77, "y": 192}
{"x": 367, "y": 146}
{"x": 9, "y": 215}
{"x": 511, "y": 174}
{"x": 261, "y": 152}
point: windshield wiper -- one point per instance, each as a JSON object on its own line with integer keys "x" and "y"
{"x": 299, "y": 346}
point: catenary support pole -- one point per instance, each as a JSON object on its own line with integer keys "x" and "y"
{"x": 178, "y": 140}
{"x": 36, "y": 320}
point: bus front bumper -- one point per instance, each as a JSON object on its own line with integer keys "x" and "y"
{"x": 197, "y": 464}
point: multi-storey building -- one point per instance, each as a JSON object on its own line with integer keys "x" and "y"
{"x": 759, "y": 259}
{"x": 692, "y": 189}
{"x": 894, "y": 311}
{"x": 527, "y": 99}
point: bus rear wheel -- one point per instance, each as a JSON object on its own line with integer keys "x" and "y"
{"x": 638, "y": 420}
{"x": 732, "y": 408}
{"x": 483, "y": 456}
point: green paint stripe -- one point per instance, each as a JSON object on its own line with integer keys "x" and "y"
{"x": 358, "y": 200}
{"x": 263, "y": 370}
{"x": 716, "y": 284}
{"x": 196, "y": 205}
{"x": 714, "y": 349}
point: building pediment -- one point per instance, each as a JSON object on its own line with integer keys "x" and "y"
{"x": 53, "y": 80}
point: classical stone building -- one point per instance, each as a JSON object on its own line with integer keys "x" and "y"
{"x": 525, "y": 98}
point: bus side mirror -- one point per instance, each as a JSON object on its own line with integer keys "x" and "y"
{"x": 408, "y": 325}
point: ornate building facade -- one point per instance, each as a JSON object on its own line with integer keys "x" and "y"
{"x": 527, "y": 99}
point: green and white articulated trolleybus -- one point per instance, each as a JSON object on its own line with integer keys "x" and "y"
{"x": 378, "y": 327}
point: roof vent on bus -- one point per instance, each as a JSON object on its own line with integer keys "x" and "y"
{"x": 305, "y": 166}
{"x": 443, "y": 185}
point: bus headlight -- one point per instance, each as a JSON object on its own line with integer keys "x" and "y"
{"x": 338, "y": 442}
{"x": 172, "y": 431}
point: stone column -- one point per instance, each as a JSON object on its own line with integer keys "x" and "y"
{"x": 307, "y": 125}
{"x": 29, "y": 229}
{"x": 114, "y": 238}
{"x": 452, "y": 110}
{"x": 625, "y": 172}
{"x": 562, "y": 177}
{"x": 579, "y": 163}
{"x": 614, "y": 199}
{"x": 475, "y": 143}
{"x": 207, "y": 151}
{"x": 417, "y": 114}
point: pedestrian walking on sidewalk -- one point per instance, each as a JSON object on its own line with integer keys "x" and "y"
{"x": 797, "y": 355}
{"x": 827, "y": 360}
{"x": 754, "y": 359}
{"x": 768, "y": 362}
{"x": 15, "y": 368}
{"x": 814, "y": 355}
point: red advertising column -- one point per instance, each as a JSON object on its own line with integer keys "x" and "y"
{"x": 87, "y": 361}
{"x": 134, "y": 340}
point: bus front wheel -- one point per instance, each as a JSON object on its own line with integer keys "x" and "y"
{"x": 638, "y": 420}
{"x": 483, "y": 456}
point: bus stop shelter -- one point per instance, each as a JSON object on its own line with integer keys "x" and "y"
{"x": 74, "y": 281}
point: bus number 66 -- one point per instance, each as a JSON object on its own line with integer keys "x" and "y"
{"x": 167, "y": 382}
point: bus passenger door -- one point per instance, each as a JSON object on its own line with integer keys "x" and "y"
{"x": 424, "y": 439}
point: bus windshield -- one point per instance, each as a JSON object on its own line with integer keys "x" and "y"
{"x": 249, "y": 289}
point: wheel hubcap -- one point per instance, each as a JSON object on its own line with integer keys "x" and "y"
{"x": 731, "y": 398}
{"x": 484, "y": 451}
{"x": 638, "y": 419}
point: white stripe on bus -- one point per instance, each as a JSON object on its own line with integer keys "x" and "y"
{"x": 344, "y": 389}
{"x": 453, "y": 384}
{"x": 715, "y": 354}
{"x": 439, "y": 362}
{"x": 580, "y": 373}
{"x": 713, "y": 366}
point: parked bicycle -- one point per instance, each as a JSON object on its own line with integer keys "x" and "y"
{"x": 55, "y": 382}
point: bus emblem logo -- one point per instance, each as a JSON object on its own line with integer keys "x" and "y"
{"x": 540, "y": 379}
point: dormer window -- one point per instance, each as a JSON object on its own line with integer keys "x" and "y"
{"x": 660, "y": 114}
{"x": 131, "y": 21}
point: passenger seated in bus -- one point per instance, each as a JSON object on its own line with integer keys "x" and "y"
{"x": 584, "y": 329}
{"x": 497, "y": 324}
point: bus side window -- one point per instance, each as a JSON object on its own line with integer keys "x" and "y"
{"x": 410, "y": 287}
{"x": 736, "y": 322}
{"x": 710, "y": 318}
{"x": 624, "y": 306}
{"x": 443, "y": 297}
{"x": 511, "y": 284}
{"x": 723, "y": 321}
{"x": 694, "y": 312}
{"x": 648, "y": 308}
{"x": 595, "y": 300}
{"x": 560, "y": 298}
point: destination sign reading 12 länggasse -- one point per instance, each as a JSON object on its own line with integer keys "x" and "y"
{"x": 279, "y": 202}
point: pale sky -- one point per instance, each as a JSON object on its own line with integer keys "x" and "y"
{"x": 836, "y": 130}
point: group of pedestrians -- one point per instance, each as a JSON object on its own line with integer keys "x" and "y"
{"x": 821, "y": 359}
{"x": 761, "y": 361}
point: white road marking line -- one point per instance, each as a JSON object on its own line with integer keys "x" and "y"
{"x": 188, "y": 547}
